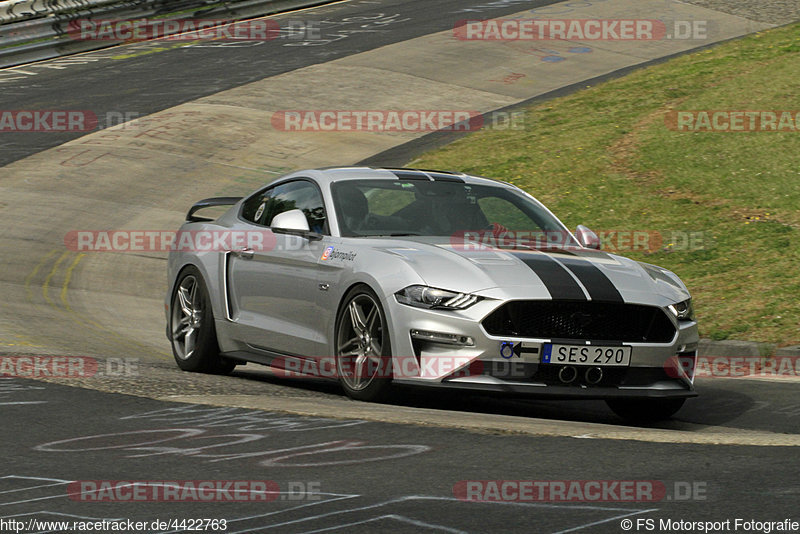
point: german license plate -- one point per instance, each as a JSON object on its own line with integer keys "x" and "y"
{"x": 586, "y": 355}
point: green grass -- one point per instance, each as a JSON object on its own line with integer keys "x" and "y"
{"x": 604, "y": 157}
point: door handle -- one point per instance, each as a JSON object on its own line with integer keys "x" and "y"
{"x": 245, "y": 253}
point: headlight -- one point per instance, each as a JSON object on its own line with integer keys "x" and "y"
{"x": 430, "y": 297}
{"x": 683, "y": 310}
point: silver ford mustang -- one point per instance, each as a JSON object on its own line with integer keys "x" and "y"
{"x": 377, "y": 277}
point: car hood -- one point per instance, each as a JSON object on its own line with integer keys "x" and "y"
{"x": 574, "y": 273}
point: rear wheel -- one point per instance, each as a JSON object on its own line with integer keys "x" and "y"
{"x": 645, "y": 410}
{"x": 363, "y": 351}
{"x": 194, "y": 338}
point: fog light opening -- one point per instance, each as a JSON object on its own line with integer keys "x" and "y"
{"x": 441, "y": 337}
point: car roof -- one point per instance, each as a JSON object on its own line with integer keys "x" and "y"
{"x": 328, "y": 175}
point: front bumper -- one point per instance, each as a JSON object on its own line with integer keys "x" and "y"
{"x": 513, "y": 365}
{"x": 560, "y": 392}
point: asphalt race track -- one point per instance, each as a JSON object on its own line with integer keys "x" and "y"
{"x": 352, "y": 475}
{"x": 183, "y": 120}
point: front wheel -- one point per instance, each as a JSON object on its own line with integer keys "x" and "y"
{"x": 363, "y": 351}
{"x": 194, "y": 338}
{"x": 645, "y": 410}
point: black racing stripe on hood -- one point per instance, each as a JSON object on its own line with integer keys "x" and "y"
{"x": 596, "y": 283}
{"x": 554, "y": 276}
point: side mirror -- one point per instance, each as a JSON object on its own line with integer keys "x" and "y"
{"x": 292, "y": 221}
{"x": 587, "y": 238}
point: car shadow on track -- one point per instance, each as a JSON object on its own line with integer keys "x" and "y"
{"x": 718, "y": 405}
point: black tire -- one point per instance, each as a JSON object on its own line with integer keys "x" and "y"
{"x": 373, "y": 358}
{"x": 645, "y": 410}
{"x": 192, "y": 321}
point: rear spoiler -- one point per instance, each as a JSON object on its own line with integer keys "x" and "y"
{"x": 208, "y": 203}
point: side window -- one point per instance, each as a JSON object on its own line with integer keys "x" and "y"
{"x": 252, "y": 210}
{"x": 303, "y": 195}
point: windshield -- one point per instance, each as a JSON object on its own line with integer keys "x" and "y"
{"x": 494, "y": 214}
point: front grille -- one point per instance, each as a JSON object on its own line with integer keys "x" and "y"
{"x": 593, "y": 321}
